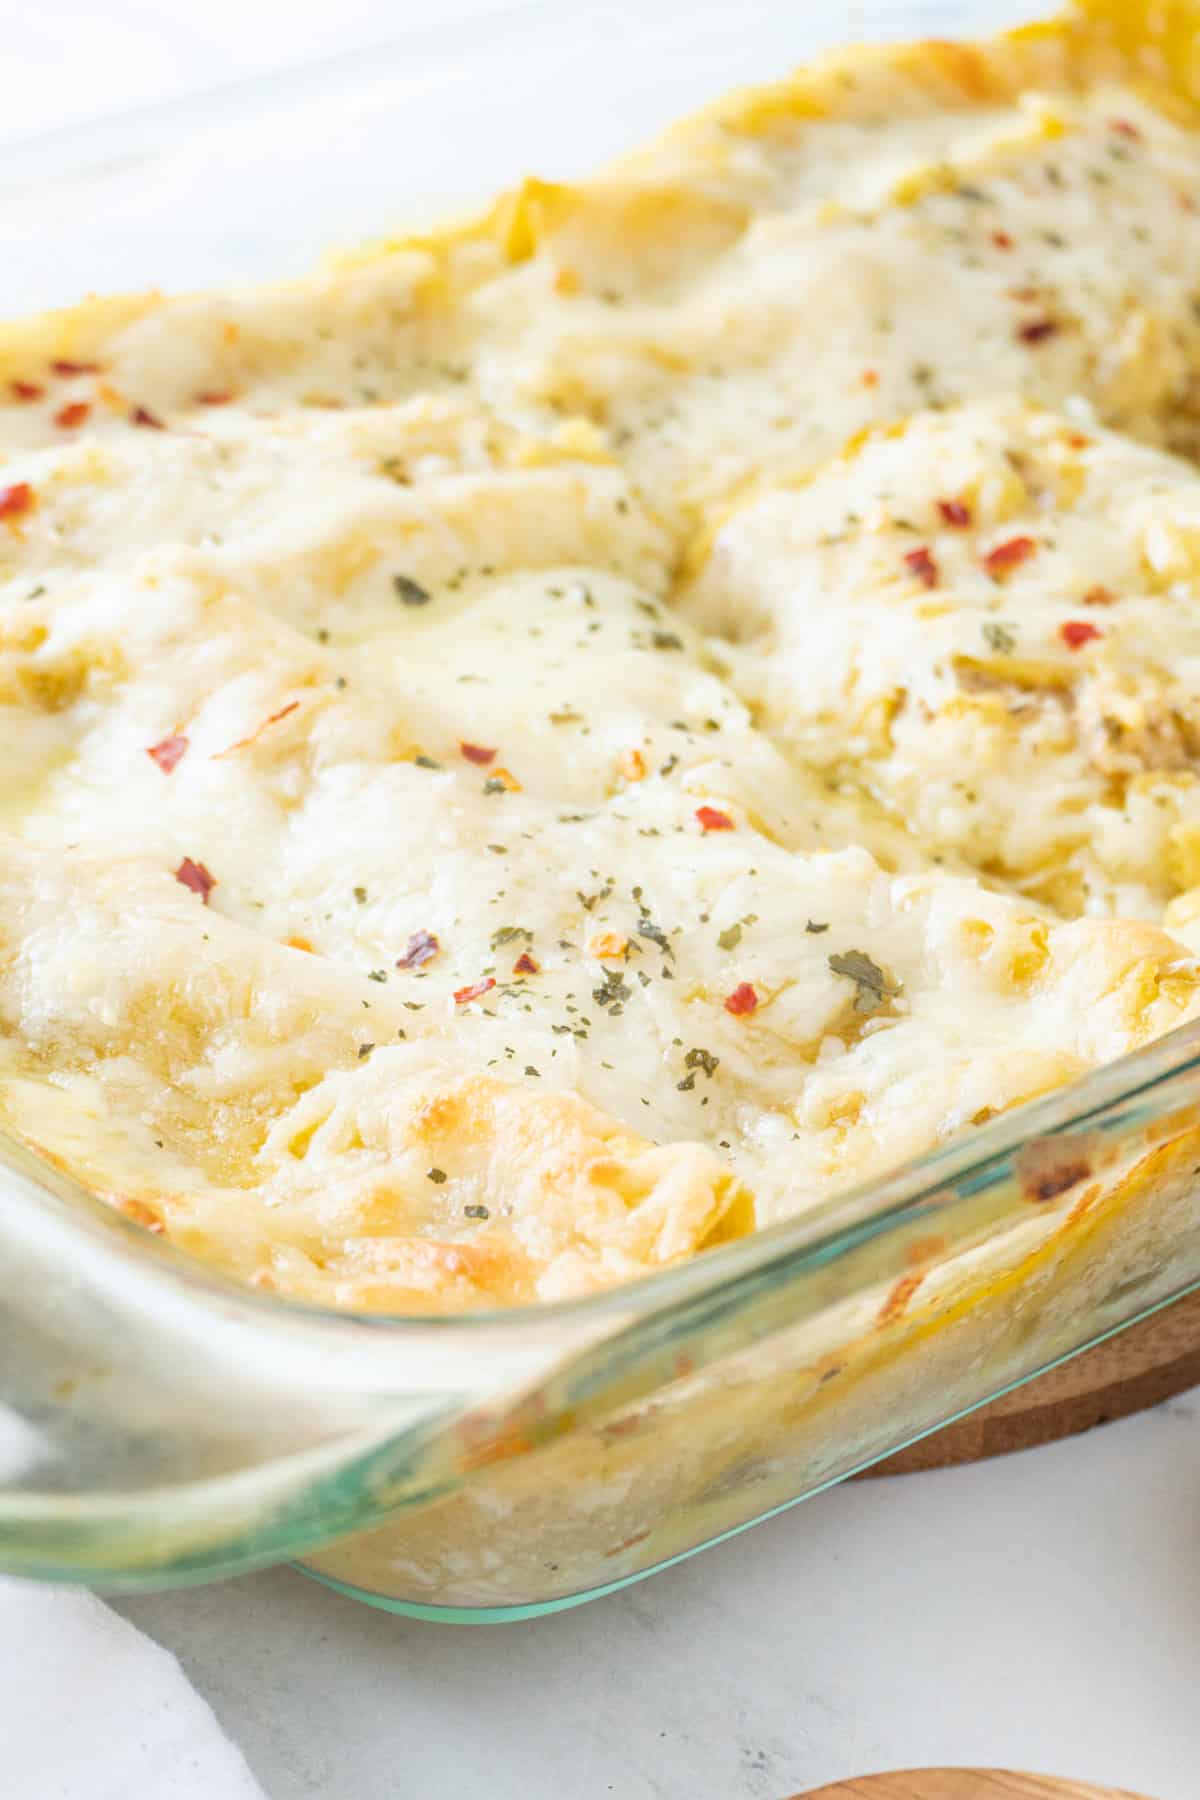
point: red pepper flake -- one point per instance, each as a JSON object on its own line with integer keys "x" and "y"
{"x": 142, "y": 1215}
{"x": 251, "y": 737}
{"x": 1078, "y": 632}
{"x": 26, "y": 391}
{"x": 1009, "y": 555}
{"x": 639, "y": 1537}
{"x": 215, "y": 397}
{"x": 1099, "y": 596}
{"x": 1125, "y": 128}
{"x": 526, "y": 964}
{"x": 1035, "y": 331}
{"x": 141, "y": 415}
{"x": 73, "y": 414}
{"x": 1002, "y": 240}
{"x": 422, "y": 948}
{"x": 922, "y": 564}
{"x": 955, "y": 512}
{"x": 898, "y": 1298}
{"x": 464, "y": 996}
{"x": 712, "y": 820}
{"x": 168, "y": 751}
{"x": 870, "y": 378}
{"x": 477, "y": 753}
{"x": 15, "y": 500}
{"x": 742, "y": 1000}
{"x": 61, "y": 366}
{"x": 194, "y": 875}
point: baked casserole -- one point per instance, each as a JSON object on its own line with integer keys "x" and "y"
{"x": 545, "y": 747}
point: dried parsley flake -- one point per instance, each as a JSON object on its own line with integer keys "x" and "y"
{"x": 1000, "y": 638}
{"x": 612, "y": 992}
{"x": 872, "y": 985}
{"x": 508, "y": 934}
{"x": 410, "y": 592}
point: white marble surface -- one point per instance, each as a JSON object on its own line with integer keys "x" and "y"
{"x": 1040, "y": 1611}
{"x": 1043, "y": 1611}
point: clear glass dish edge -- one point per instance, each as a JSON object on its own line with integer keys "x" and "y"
{"x": 570, "y": 1360}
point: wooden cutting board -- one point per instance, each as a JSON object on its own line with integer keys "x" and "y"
{"x": 1138, "y": 1368}
{"x": 965, "y": 1784}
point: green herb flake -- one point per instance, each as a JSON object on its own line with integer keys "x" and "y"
{"x": 476, "y": 1212}
{"x": 815, "y": 926}
{"x": 1000, "y": 638}
{"x": 509, "y": 934}
{"x": 872, "y": 985}
{"x": 613, "y": 991}
{"x": 648, "y": 929}
{"x": 410, "y": 592}
{"x": 437, "y": 1176}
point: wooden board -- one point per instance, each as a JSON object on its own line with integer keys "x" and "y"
{"x": 965, "y": 1784}
{"x": 1138, "y": 1368}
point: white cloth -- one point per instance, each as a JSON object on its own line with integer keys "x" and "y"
{"x": 90, "y": 1709}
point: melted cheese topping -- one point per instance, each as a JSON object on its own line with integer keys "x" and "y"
{"x": 977, "y": 606}
{"x": 502, "y": 797}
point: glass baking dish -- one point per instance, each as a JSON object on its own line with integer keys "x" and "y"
{"x": 159, "y": 1424}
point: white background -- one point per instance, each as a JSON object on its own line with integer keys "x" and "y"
{"x": 74, "y": 60}
{"x": 1040, "y": 1612}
